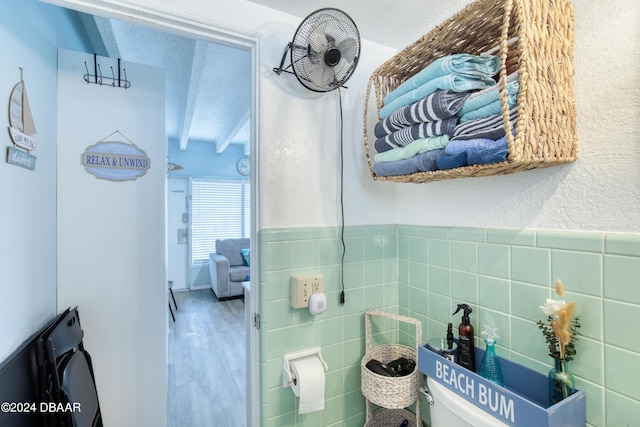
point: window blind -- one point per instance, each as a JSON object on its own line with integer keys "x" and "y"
{"x": 219, "y": 210}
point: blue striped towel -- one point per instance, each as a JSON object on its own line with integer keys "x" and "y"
{"x": 409, "y": 134}
{"x": 491, "y": 127}
{"x": 447, "y": 82}
{"x": 439, "y": 105}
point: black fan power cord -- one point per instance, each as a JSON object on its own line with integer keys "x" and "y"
{"x": 341, "y": 198}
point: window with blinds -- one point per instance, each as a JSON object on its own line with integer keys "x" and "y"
{"x": 219, "y": 210}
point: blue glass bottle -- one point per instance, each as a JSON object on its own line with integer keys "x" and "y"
{"x": 490, "y": 365}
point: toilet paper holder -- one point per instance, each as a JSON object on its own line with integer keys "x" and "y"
{"x": 288, "y": 377}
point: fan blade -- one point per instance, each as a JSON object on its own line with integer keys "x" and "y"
{"x": 317, "y": 39}
{"x": 328, "y": 75}
{"x": 348, "y": 48}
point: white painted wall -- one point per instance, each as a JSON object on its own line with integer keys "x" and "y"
{"x": 177, "y": 253}
{"x": 111, "y": 238}
{"x": 28, "y": 198}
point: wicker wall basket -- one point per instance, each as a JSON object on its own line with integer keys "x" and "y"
{"x": 390, "y": 392}
{"x": 545, "y": 130}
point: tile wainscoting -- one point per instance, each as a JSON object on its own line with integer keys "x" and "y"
{"x": 423, "y": 272}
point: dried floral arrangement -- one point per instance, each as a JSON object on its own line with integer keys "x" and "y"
{"x": 560, "y": 329}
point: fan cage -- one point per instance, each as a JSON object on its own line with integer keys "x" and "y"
{"x": 307, "y": 65}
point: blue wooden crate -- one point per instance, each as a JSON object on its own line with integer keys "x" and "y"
{"x": 522, "y": 402}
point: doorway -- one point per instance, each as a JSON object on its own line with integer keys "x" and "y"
{"x": 207, "y": 33}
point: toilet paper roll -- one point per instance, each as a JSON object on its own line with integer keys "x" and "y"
{"x": 317, "y": 303}
{"x": 309, "y": 384}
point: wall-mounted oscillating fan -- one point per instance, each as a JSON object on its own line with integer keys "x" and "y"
{"x": 324, "y": 51}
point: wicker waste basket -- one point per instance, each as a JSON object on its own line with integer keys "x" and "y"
{"x": 391, "y": 393}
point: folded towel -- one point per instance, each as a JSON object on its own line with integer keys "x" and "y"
{"x": 461, "y": 65}
{"x": 439, "y": 105}
{"x": 491, "y": 127}
{"x": 489, "y": 103}
{"x": 447, "y": 82}
{"x": 478, "y": 151}
{"x": 419, "y": 163}
{"x": 510, "y": 78}
{"x": 407, "y": 135}
{"x": 450, "y": 162}
{"x": 416, "y": 147}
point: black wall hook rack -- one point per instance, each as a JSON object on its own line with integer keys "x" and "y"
{"x": 99, "y": 79}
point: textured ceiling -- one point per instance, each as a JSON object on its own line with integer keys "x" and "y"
{"x": 208, "y": 85}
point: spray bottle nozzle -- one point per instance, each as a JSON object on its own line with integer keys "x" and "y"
{"x": 466, "y": 312}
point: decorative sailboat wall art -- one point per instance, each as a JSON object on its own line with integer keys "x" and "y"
{"x": 21, "y": 127}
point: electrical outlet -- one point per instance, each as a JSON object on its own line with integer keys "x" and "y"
{"x": 302, "y": 286}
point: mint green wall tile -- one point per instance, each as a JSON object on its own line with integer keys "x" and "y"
{"x": 403, "y": 295}
{"x": 418, "y": 300}
{"x": 493, "y": 260}
{"x": 417, "y": 249}
{"x": 494, "y": 293}
{"x": 281, "y": 234}
{"x": 527, "y": 339}
{"x": 623, "y": 244}
{"x": 279, "y": 314}
{"x": 438, "y": 252}
{"x": 620, "y": 319}
{"x": 379, "y": 229}
{"x": 531, "y": 265}
{"x": 278, "y": 255}
{"x": 354, "y": 404}
{"x": 408, "y": 230}
{"x": 278, "y": 285}
{"x": 418, "y": 275}
{"x": 286, "y": 420}
{"x": 497, "y": 320}
{"x": 354, "y": 231}
{"x": 333, "y": 411}
{"x": 435, "y": 232}
{"x": 439, "y": 280}
{"x": 390, "y": 298}
{"x": 273, "y": 377}
{"x": 571, "y": 240}
{"x": 403, "y": 271}
{"x": 439, "y": 308}
{"x": 279, "y": 342}
{"x": 333, "y": 331}
{"x": 353, "y": 275}
{"x": 321, "y": 232}
{"x": 579, "y": 271}
{"x": 332, "y": 355}
{"x": 373, "y": 273}
{"x": 354, "y": 249}
{"x": 621, "y": 371}
{"x": 354, "y": 301}
{"x": 329, "y": 251}
{"x": 621, "y": 411}
{"x": 595, "y": 401}
{"x": 334, "y": 309}
{"x": 468, "y": 234}
{"x": 352, "y": 378}
{"x": 464, "y": 287}
{"x": 536, "y": 365}
{"x": 353, "y": 352}
{"x": 621, "y": 278}
{"x": 390, "y": 247}
{"x": 305, "y": 253}
{"x": 390, "y": 270}
{"x": 306, "y": 334}
{"x": 512, "y": 237}
{"x": 373, "y": 248}
{"x": 373, "y": 297}
{"x": 526, "y": 300}
{"x": 589, "y": 309}
{"x": 281, "y": 401}
{"x": 587, "y": 363}
{"x": 403, "y": 247}
{"x": 464, "y": 256}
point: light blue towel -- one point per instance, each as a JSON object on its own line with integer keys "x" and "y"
{"x": 416, "y": 147}
{"x": 479, "y": 151}
{"x": 424, "y": 162}
{"x": 461, "y": 65}
{"x": 447, "y": 82}
{"x": 488, "y": 103}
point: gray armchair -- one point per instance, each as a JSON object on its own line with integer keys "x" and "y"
{"x": 227, "y": 267}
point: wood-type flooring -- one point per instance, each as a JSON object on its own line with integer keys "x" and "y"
{"x": 206, "y": 361}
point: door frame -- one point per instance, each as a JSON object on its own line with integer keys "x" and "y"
{"x": 239, "y": 38}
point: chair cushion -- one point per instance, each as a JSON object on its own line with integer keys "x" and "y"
{"x": 238, "y": 273}
{"x": 246, "y": 254}
{"x": 230, "y": 248}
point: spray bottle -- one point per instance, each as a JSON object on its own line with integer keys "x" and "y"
{"x": 466, "y": 347}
